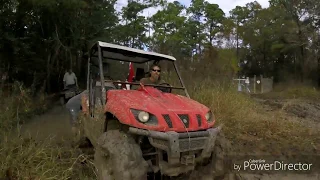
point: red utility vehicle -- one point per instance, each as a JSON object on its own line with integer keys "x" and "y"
{"x": 147, "y": 129}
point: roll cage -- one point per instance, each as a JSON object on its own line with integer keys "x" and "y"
{"x": 104, "y": 51}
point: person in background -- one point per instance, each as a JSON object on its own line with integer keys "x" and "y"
{"x": 70, "y": 79}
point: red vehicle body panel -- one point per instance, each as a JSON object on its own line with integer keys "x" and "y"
{"x": 154, "y": 101}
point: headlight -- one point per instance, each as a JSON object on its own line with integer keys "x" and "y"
{"x": 209, "y": 116}
{"x": 143, "y": 116}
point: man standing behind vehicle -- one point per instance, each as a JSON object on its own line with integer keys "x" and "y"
{"x": 70, "y": 79}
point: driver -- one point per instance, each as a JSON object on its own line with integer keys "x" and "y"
{"x": 154, "y": 77}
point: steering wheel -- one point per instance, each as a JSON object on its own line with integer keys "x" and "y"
{"x": 165, "y": 89}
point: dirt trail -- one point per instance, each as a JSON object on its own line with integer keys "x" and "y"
{"x": 53, "y": 124}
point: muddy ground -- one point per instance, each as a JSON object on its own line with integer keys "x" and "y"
{"x": 306, "y": 111}
{"x": 54, "y": 124}
{"x": 302, "y": 110}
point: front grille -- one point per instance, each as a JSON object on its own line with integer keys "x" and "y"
{"x": 192, "y": 144}
{"x": 181, "y": 145}
{"x": 199, "y": 120}
{"x": 185, "y": 119}
{"x": 168, "y": 120}
{"x": 159, "y": 143}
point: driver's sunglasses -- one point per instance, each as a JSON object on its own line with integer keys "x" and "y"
{"x": 156, "y": 70}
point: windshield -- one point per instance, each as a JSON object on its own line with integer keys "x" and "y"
{"x": 119, "y": 71}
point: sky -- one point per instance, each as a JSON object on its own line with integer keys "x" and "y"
{"x": 225, "y": 5}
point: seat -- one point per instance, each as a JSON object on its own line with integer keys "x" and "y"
{"x": 139, "y": 74}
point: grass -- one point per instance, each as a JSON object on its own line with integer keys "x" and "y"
{"x": 293, "y": 91}
{"x": 20, "y": 106}
{"x": 249, "y": 127}
{"x": 25, "y": 158}
{"x": 29, "y": 159}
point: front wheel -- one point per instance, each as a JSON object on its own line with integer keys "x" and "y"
{"x": 219, "y": 161}
{"x": 118, "y": 156}
{"x": 78, "y": 135}
{"x": 217, "y": 167}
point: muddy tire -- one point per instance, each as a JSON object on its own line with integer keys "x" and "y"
{"x": 118, "y": 157}
{"x": 79, "y": 138}
{"x": 220, "y": 162}
{"x": 218, "y": 165}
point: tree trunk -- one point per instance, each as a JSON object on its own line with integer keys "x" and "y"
{"x": 47, "y": 81}
{"x": 319, "y": 72}
{"x": 71, "y": 59}
{"x": 301, "y": 61}
{"x": 79, "y": 61}
{"x": 237, "y": 42}
{"x": 210, "y": 35}
{"x": 50, "y": 62}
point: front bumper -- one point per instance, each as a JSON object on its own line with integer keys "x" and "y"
{"x": 179, "y": 145}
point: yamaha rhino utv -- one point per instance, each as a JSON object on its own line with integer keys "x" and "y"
{"x": 146, "y": 131}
